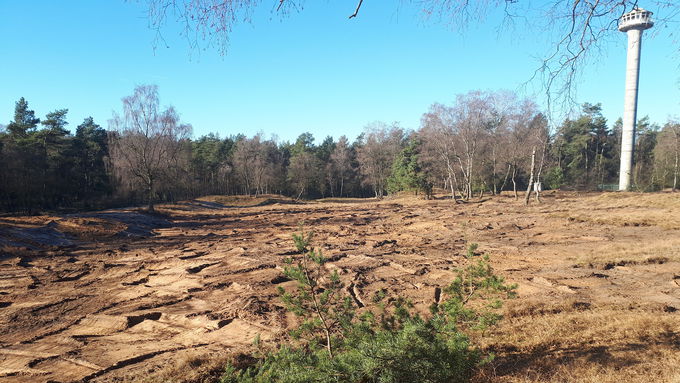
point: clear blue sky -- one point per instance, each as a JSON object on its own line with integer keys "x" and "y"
{"x": 312, "y": 71}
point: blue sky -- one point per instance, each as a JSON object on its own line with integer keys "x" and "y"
{"x": 312, "y": 71}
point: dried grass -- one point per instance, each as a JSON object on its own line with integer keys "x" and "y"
{"x": 620, "y": 254}
{"x": 192, "y": 367}
{"x": 572, "y": 342}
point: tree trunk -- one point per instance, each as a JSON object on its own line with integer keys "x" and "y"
{"x": 150, "y": 207}
{"x": 531, "y": 176}
{"x": 514, "y": 182}
{"x": 675, "y": 170}
{"x": 453, "y": 191}
{"x": 540, "y": 171}
{"x": 453, "y": 180}
{"x": 300, "y": 194}
{"x": 149, "y": 190}
{"x": 469, "y": 187}
{"x": 505, "y": 179}
{"x": 585, "y": 150}
{"x": 465, "y": 190}
{"x": 677, "y": 159}
{"x": 493, "y": 179}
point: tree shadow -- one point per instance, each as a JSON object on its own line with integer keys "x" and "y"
{"x": 546, "y": 359}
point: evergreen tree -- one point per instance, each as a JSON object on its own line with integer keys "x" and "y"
{"x": 24, "y": 120}
{"x": 55, "y": 122}
{"x": 407, "y": 173}
{"x": 58, "y": 178}
{"x": 584, "y": 148}
{"x": 643, "y": 161}
{"x": 26, "y": 161}
{"x": 90, "y": 150}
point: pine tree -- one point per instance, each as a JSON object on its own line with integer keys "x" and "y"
{"x": 90, "y": 149}
{"x": 24, "y": 120}
{"x": 407, "y": 174}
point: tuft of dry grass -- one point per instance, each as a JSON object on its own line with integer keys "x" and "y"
{"x": 627, "y": 209}
{"x": 192, "y": 367}
{"x": 620, "y": 254}
{"x": 576, "y": 343}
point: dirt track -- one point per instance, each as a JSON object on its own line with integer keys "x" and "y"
{"x": 110, "y": 306}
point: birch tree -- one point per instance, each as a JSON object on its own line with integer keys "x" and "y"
{"x": 146, "y": 140}
{"x": 340, "y": 165}
{"x": 667, "y": 155}
{"x": 437, "y": 133}
{"x": 378, "y": 148}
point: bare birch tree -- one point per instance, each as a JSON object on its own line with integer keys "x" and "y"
{"x": 340, "y": 164}
{"x": 438, "y": 135}
{"x": 667, "y": 154}
{"x": 521, "y": 136}
{"x": 255, "y": 164}
{"x": 538, "y": 138}
{"x": 379, "y": 147}
{"x": 146, "y": 141}
{"x": 472, "y": 117}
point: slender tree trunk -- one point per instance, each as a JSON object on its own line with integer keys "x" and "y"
{"x": 531, "y": 176}
{"x": 495, "y": 190}
{"x": 538, "y": 175}
{"x": 505, "y": 179}
{"x": 150, "y": 196}
{"x": 300, "y": 194}
{"x": 675, "y": 174}
{"x": 456, "y": 186}
{"x": 452, "y": 180}
{"x": 585, "y": 151}
{"x": 601, "y": 166}
{"x": 675, "y": 170}
{"x": 464, "y": 191}
{"x": 453, "y": 191}
{"x": 469, "y": 187}
{"x": 514, "y": 181}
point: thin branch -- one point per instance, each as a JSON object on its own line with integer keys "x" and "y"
{"x": 356, "y": 11}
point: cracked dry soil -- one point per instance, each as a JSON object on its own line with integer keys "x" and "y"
{"x": 109, "y": 306}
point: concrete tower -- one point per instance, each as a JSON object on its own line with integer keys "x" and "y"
{"x": 633, "y": 23}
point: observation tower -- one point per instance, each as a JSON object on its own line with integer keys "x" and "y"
{"x": 633, "y": 23}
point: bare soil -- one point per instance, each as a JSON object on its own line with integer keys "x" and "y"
{"x": 119, "y": 295}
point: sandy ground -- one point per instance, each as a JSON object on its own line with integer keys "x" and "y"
{"x": 109, "y": 296}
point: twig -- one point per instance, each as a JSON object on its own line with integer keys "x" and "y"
{"x": 356, "y": 11}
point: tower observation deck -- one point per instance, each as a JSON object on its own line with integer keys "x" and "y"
{"x": 633, "y": 23}
{"x": 636, "y": 19}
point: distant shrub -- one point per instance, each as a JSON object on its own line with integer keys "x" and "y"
{"x": 391, "y": 344}
{"x": 554, "y": 178}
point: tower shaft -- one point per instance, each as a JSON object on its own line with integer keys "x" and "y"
{"x": 630, "y": 108}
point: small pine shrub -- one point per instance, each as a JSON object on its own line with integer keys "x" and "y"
{"x": 392, "y": 344}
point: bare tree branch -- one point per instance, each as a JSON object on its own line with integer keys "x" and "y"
{"x": 356, "y": 11}
{"x": 580, "y": 28}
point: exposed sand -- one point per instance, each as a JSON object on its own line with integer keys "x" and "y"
{"x": 598, "y": 275}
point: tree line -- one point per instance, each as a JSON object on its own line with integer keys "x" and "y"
{"x": 482, "y": 142}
